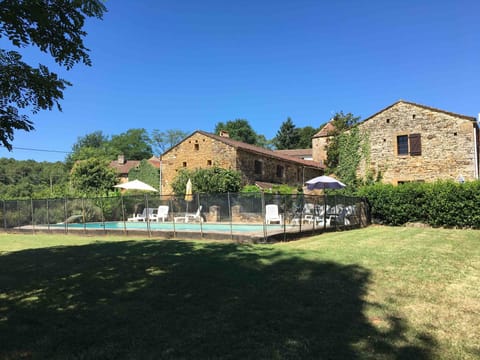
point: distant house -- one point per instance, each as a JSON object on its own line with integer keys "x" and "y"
{"x": 304, "y": 154}
{"x": 123, "y": 166}
{"x": 256, "y": 164}
{"x": 411, "y": 142}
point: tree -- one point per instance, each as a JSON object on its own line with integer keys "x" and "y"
{"x": 55, "y": 27}
{"x": 134, "y": 144}
{"x": 164, "y": 140}
{"x": 92, "y": 145}
{"x": 287, "y": 137}
{"x": 341, "y": 122}
{"x": 31, "y": 179}
{"x": 305, "y": 137}
{"x": 93, "y": 177}
{"x": 238, "y": 129}
{"x": 145, "y": 172}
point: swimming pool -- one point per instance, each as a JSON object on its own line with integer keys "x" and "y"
{"x": 170, "y": 226}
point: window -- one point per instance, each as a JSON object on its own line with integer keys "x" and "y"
{"x": 280, "y": 171}
{"x": 209, "y": 162}
{"x": 409, "y": 144}
{"x": 184, "y": 164}
{"x": 258, "y": 167}
{"x": 196, "y": 147}
{"x": 402, "y": 145}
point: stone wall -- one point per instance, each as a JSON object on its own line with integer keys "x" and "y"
{"x": 201, "y": 151}
{"x": 319, "y": 151}
{"x": 196, "y": 151}
{"x": 447, "y": 145}
{"x": 290, "y": 173}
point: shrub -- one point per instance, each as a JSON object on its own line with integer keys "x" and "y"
{"x": 443, "y": 203}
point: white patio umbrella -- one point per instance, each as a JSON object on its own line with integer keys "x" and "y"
{"x": 188, "y": 193}
{"x": 324, "y": 182}
{"x": 136, "y": 185}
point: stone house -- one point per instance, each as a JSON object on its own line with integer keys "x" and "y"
{"x": 122, "y": 166}
{"x": 256, "y": 164}
{"x": 409, "y": 142}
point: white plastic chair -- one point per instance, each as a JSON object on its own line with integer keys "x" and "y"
{"x": 162, "y": 213}
{"x": 272, "y": 215}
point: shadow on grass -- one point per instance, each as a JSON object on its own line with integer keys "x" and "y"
{"x": 180, "y": 300}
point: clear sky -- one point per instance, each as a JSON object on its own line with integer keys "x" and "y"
{"x": 189, "y": 64}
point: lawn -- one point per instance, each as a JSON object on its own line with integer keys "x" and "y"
{"x": 374, "y": 293}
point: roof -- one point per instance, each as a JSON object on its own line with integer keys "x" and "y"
{"x": 259, "y": 150}
{"x": 326, "y": 130}
{"x": 298, "y": 153}
{"x": 129, "y": 164}
{"x": 125, "y": 167}
{"x": 471, "y": 118}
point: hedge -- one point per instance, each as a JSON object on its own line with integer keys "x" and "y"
{"x": 443, "y": 203}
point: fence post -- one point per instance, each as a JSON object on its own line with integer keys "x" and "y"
{"x": 263, "y": 217}
{"x": 230, "y": 215}
{"x": 65, "y": 214}
{"x": 48, "y": 215}
{"x": 33, "y": 219}
{"x": 4, "y": 215}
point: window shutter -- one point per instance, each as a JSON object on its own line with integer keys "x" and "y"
{"x": 415, "y": 144}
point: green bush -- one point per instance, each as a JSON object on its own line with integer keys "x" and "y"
{"x": 443, "y": 203}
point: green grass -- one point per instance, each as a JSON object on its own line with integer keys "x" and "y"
{"x": 375, "y": 293}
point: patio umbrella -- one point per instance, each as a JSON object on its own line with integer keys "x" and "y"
{"x": 188, "y": 193}
{"x": 136, "y": 185}
{"x": 324, "y": 182}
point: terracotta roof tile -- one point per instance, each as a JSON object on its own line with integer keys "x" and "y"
{"x": 326, "y": 130}
{"x": 259, "y": 150}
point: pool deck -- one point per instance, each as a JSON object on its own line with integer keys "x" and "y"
{"x": 268, "y": 234}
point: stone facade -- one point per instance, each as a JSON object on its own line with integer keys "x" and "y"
{"x": 319, "y": 143}
{"x": 202, "y": 150}
{"x": 411, "y": 142}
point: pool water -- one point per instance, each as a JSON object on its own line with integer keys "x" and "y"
{"x": 170, "y": 226}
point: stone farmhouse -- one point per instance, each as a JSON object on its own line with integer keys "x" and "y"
{"x": 122, "y": 166}
{"x": 409, "y": 142}
{"x": 256, "y": 164}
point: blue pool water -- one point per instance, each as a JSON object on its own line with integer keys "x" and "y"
{"x": 169, "y": 226}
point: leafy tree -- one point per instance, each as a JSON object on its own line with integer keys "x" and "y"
{"x": 55, "y": 27}
{"x": 238, "y": 129}
{"x": 20, "y": 179}
{"x": 145, "y": 172}
{"x": 134, "y": 144}
{"x": 263, "y": 142}
{"x": 211, "y": 180}
{"x": 92, "y": 145}
{"x": 164, "y": 140}
{"x": 305, "y": 137}
{"x": 287, "y": 137}
{"x": 341, "y": 123}
{"x": 93, "y": 177}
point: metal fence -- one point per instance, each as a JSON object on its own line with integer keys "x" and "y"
{"x": 231, "y": 215}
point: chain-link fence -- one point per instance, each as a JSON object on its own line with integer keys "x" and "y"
{"x": 243, "y": 216}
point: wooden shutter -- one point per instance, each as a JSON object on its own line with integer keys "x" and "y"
{"x": 415, "y": 144}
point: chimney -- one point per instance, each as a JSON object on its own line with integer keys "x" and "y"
{"x": 224, "y": 133}
{"x": 121, "y": 159}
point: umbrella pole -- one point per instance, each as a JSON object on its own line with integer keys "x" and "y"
{"x": 324, "y": 208}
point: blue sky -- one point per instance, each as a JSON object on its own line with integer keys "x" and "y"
{"x": 188, "y": 65}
